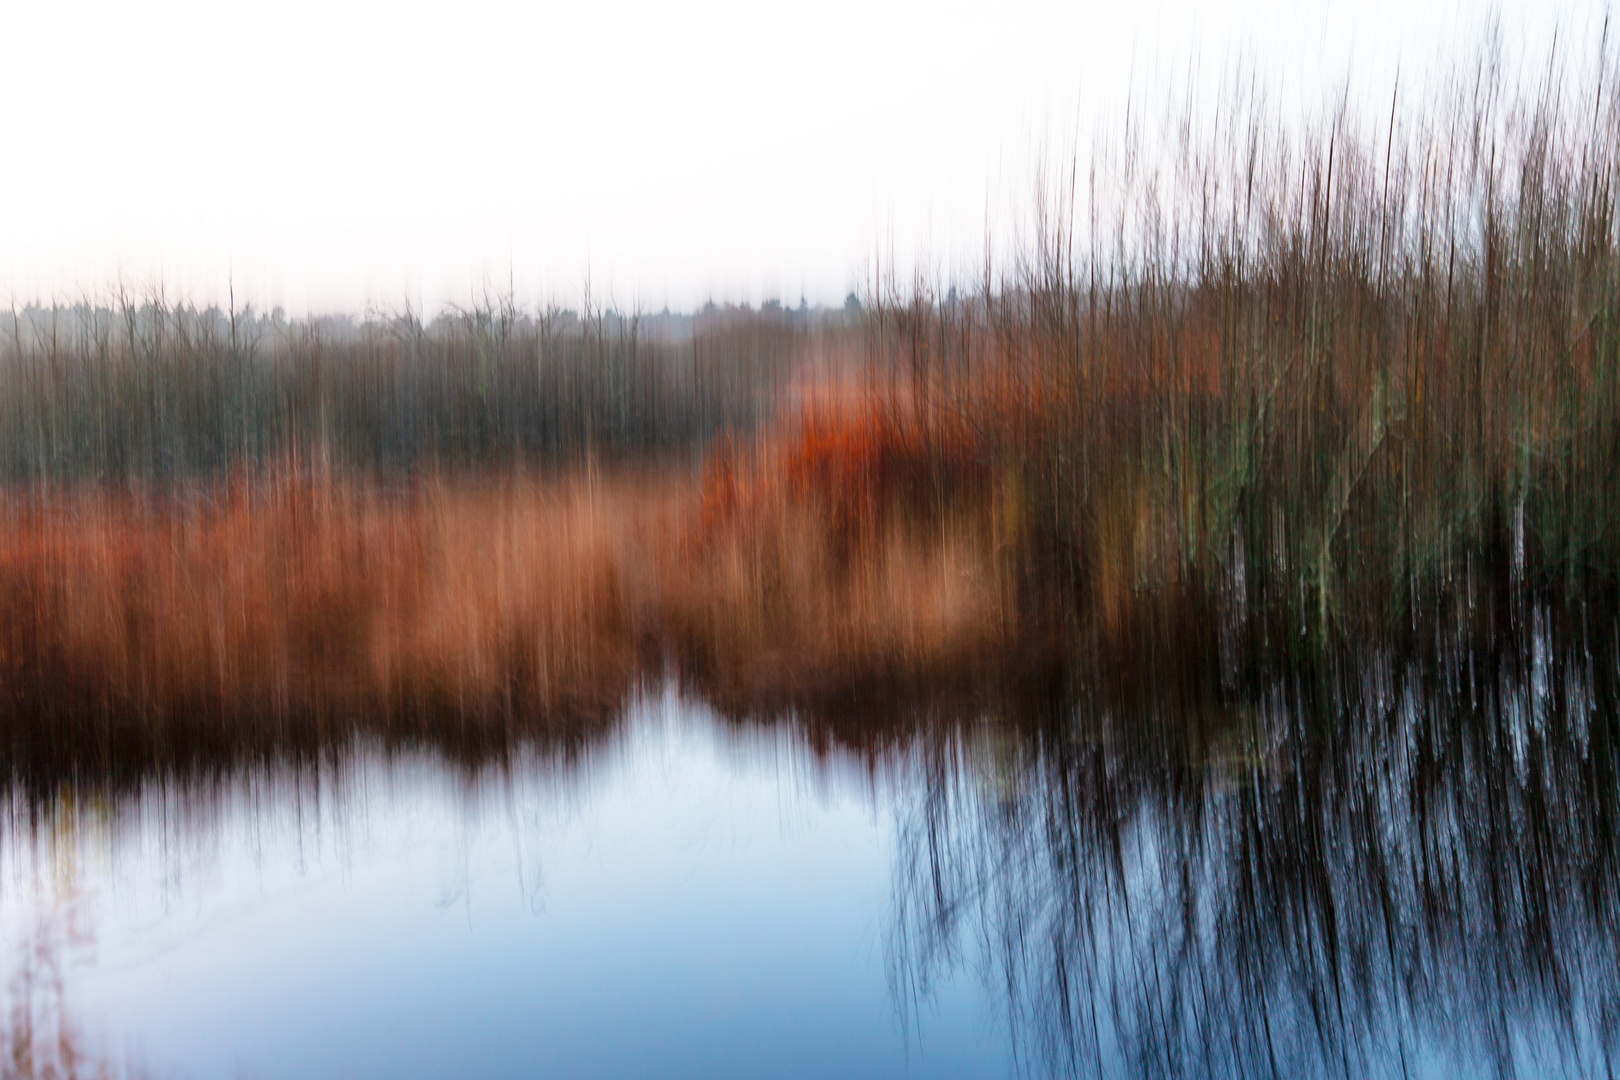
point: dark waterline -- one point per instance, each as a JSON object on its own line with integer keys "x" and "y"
{"x": 1397, "y": 858}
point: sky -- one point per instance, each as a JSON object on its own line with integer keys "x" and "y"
{"x": 340, "y": 155}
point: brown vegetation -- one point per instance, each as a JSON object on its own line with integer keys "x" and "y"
{"x": 1291, "y": 385}
{"x": 292, "y": 605}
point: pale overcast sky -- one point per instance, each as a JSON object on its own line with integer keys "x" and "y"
{"x": 332, "y": 154}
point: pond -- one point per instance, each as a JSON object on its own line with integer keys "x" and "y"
{"x": 1397, "y": 860}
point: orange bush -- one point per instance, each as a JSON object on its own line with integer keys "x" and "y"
{"x": 857, "y": 464}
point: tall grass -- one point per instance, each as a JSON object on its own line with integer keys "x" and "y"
{"x": 288, "y": 610}
{"x": 1246, "y": 383}
{"x": 1327, "y": 364}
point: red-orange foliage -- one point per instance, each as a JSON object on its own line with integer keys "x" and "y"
{"x": 286, "y": 605}
{"x": 856, "y": 464}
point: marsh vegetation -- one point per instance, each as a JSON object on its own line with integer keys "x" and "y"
{"x": 1237, "y": 562}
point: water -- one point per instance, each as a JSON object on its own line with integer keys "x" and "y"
{"x": 678, "y": 900}
{"x": 1398, "y": 859}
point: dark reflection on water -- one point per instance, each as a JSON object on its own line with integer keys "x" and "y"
{"x": 1400, "y": 859}
{"x": 1260, "y": 857}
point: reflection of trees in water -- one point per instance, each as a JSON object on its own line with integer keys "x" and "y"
{"x": 1403, "y": 861}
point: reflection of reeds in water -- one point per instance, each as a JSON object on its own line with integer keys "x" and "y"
{"x": 40, "y": 1039}
{"x": 1399, "y": 862}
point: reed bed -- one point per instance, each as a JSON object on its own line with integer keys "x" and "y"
{"x": 1289, "y": 386}
{"x": 1329, "y": 369}
{"x": 289, "y": 608}
{"x": 285, "y": 609}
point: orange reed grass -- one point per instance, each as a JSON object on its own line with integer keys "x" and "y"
{"x": 289, "y": 596}
{"x": 287, "y": 606}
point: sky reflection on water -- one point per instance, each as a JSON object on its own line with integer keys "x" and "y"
{"x": 680, "y": 901}
{"x": 1397, "y": 859}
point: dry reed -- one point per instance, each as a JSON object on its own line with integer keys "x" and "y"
{"x": 1309, "y": 382}
{"x": 291, "y": 607}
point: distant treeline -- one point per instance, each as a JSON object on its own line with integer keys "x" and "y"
{"x": 145, "y": 388}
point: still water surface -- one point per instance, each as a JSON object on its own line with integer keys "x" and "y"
{"x": 678, "y": 900}
{"x": 1399, "y": 861}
